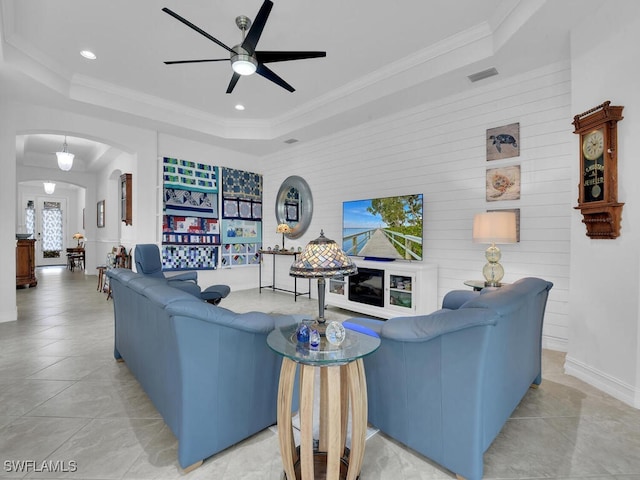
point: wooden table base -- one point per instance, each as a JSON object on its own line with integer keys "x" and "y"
{"x": 341, "y": 387}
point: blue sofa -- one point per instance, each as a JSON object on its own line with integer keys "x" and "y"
{"x": 207, "y": 370}
{"x": 444, "y": 384}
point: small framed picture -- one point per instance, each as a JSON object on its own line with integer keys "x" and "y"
{"x": 503, "y": 183}
{"x": 292, "y": 212}
{"x": 503, "y": 142}
{"x": 100, "y": 214}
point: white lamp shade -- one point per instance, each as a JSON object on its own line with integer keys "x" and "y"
{"x": 494, "y": 227}
{"x": 49, "y": 187}
{"x": 65, "y": 160}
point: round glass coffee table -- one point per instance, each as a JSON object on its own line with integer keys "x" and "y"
{"x": 342, "y": 385}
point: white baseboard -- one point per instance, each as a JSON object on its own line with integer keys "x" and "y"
{"x": 555, "y": 343}
{"x": 8, "y": 314}
{"x": 602, "y": 381}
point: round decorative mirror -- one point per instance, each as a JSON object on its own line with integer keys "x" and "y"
{"x": 294, "y": 205}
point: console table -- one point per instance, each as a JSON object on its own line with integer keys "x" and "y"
{"x": 342, "y": 386}
{"x": 275, "y": 254}
{"x": 402, "y": 288}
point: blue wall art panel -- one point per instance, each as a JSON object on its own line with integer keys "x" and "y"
{"x": 187, "y": 175}
{"x": 176, "y": 229}
{"x": 189, "y": 257}
{"x": 241, "y": 184}
{"x": 237, "y": 254}
{"x": 186, "y": 202}
{"x": 190, "y": 224}
{"x": 241, "y": 231}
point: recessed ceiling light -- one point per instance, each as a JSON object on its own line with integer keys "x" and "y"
{"x": 88, "y": 54}
{"x": 239, "y": 107}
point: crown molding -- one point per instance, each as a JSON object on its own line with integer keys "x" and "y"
{"x": 467, "y": 47}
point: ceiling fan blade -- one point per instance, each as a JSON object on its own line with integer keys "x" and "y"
{"x": 174, "y": 62}
{"x": 196, "y": 28}
{"x": 232, "y": 83}
{"x": 269, "y": 74}
{"x": 270, "y": 57}
{"x": 257, "y": 26}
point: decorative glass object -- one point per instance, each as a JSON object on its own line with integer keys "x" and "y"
{"x": 314, "y": 339}
{"x": 335, "y": 333}
{"x": 302, "y": 333}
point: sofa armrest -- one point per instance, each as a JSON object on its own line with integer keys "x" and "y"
{"x": 456, "y": 298}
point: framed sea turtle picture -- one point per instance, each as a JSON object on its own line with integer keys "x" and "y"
{"x": 503, "y": 183}
{"x": 503, "y": 142}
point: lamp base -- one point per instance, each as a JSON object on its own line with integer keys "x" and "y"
{"x": 492, "y": 271}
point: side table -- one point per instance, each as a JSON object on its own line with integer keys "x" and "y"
{"x": 478, "y": 285}
{"x": 275, "y": 254}
{"x": 342, "y": 385}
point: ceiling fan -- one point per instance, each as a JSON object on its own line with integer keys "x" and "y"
{"x": 244, "y": 57}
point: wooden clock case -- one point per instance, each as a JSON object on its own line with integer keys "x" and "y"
{"x": 602, "y": 216}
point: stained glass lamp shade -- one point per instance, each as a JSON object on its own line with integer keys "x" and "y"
{"x": 320, "y": 259}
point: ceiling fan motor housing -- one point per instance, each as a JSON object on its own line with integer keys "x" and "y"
{"x": 242, "y": 62}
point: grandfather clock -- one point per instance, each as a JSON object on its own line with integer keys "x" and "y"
{"x": 598, "y": 186}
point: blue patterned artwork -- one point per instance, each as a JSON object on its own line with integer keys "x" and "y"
{"x": 190, "y": 224}
{"x": 237, "y": 254}
{"x": 241, "y": 184}
{"x": 241, "y": 231}
{"x": 189, "y": 257}
{"x": 178, "y": 229}
{"x": 185, "y": 202}
{"x": 187, "y": 175}
{"x": 242, "y": 217}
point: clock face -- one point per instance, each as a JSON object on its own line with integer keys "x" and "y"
{"x": 593, "y": 144}
{"x": 594, "y": 167}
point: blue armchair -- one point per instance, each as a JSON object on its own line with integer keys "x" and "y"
{"x": 148, "y": 262}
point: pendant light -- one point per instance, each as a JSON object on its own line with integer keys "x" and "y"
{"x": 65, "y": 159}
{"x": 49, "y": 187}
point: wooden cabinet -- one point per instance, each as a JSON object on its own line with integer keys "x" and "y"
{"x": 26, "y": 263}
{"x": 125, "y": 199}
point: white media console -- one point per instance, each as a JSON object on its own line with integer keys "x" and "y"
{"x": 386, "y": 289}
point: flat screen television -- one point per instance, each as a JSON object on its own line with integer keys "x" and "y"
{"x": 387, "y": 228}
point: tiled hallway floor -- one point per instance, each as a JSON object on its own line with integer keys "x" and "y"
{"x": 64, "y": 399}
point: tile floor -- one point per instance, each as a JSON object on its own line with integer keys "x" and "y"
{"x": 64, "y": 399}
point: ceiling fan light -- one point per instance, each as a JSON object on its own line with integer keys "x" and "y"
{"x": 244, "y": 64}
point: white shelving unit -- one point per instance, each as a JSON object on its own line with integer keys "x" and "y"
{"x": 399, "y": 288}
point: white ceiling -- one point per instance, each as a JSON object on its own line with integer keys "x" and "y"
{"x": 381, "y": 57}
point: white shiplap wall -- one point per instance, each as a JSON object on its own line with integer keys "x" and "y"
{"x": 438, "y": 149}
